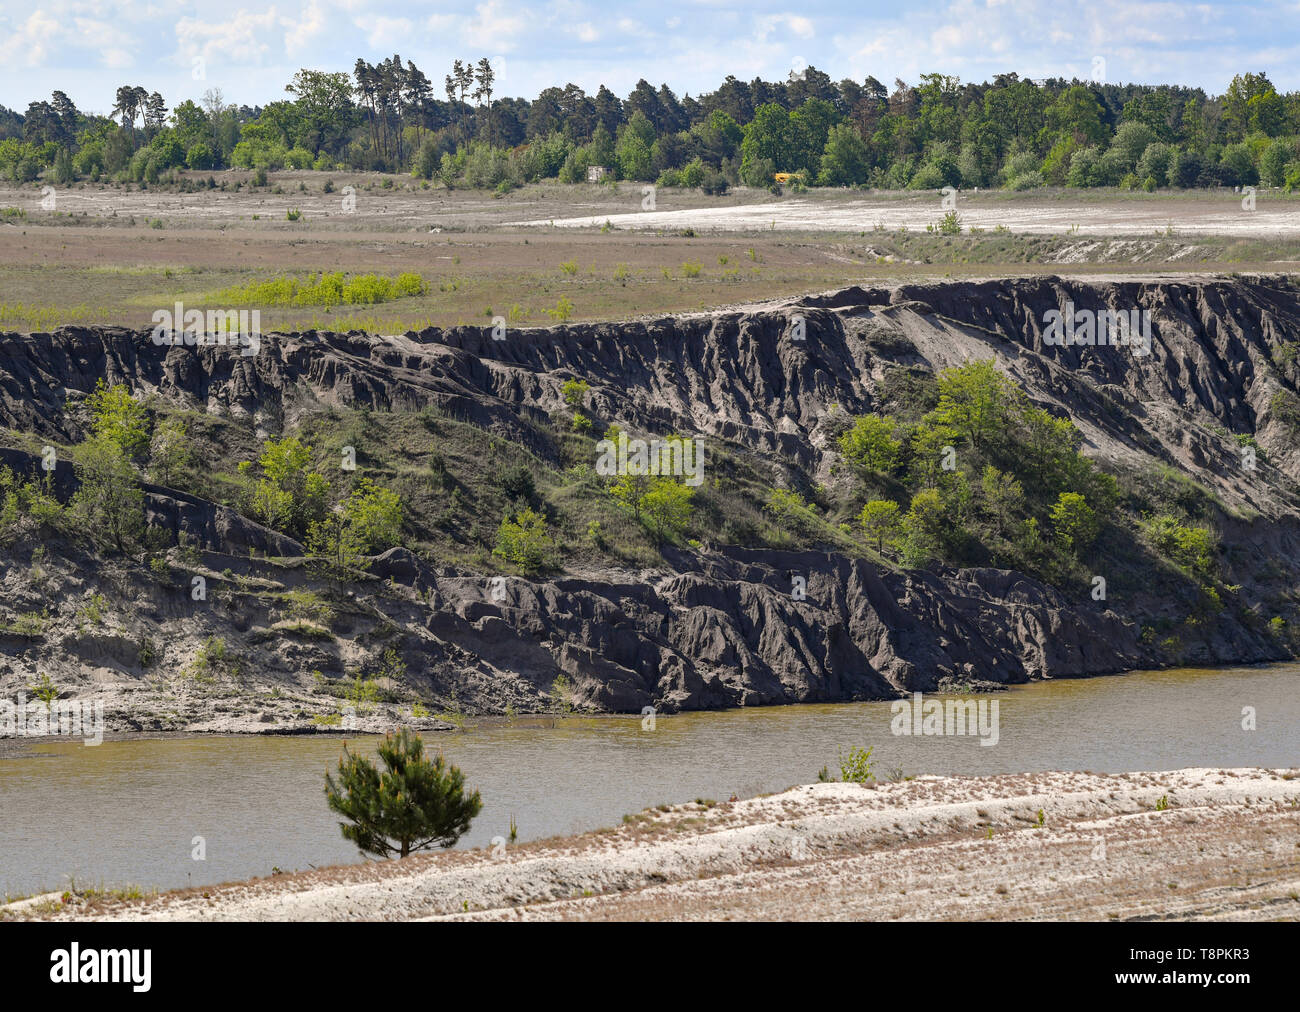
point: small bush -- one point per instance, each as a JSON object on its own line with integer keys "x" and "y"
{"x": 563, "y": 310}
{"x": 524, "y": 541}
{"x": 855, "y": 768}
{"x": 518, "y": 484}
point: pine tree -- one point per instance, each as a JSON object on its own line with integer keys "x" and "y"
{"x": 412, "y": 805}
{"x": 483, "y": 93}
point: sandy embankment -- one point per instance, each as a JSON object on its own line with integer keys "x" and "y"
{"x": 1187, "y": 844}
{"x": 1219, "y": 215}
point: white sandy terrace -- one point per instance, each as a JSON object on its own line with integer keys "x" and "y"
{"x": 1114, "y": 218}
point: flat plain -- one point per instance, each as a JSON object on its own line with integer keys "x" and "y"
{"x": 105, "y": 254}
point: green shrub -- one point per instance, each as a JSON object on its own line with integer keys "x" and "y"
{"x": 924, "y": 527}
{"x": 518, "y": 484}
{"x": 45, "y": 690}
{"x": 109, "y": 504}
{"x": 307, "y": 605}
{"x": 1285, "y": 407}
{"x": 1027, "y": 181}
{"x": 880, "y": 522}
{"x": 119, "y": 418}
{"x": 562, "y": 695}
{"x": 1193, "y": 548}
{"x": 332, "y": 289}
{"x": 1075, "y": 523}
{"x": 524, "y": 541}
{"x": 693, "y": 172}
{"x": 575, "y": 393}
{"x": 563, "y": 310}
{"x": 299, "y": 158}
{"x": 790, "y": 512}
{"x": 855, "y": 768}
{"x": 209, "y": 657}
{"x": 29, "y": 625}
{"x": 667, "y": 508}
{"x": 870, "y": 444}
{"x": 200, "y": 156}
{"x": 362, "y": 694}
{"x": 663, "y": 506}
{"x": 949, "y": 224}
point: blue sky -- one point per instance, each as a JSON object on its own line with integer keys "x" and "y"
{"x": 250, "y": 51}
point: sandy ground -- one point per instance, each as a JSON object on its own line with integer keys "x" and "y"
{"x": 1220, "y": 215}
{"x": 1194, "y": 844}
{"x": 357, "y": 202}
{"x": 372, "y": 202}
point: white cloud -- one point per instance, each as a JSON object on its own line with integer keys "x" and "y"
{"x": 300, "y": 35}
{"x": 30, "y": 44}
{"x": 788, "y": 24}
{"x": 56, "y": 30}
{"x": 493, "y": 27}
{"x": 241, "y": 39}
{"x": 384, "y": 32}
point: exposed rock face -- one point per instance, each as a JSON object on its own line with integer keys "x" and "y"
{"x": 719, "y": 627}
{"x": 1217, "y": 358}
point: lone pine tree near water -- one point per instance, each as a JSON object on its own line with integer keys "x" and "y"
{"x": 414, "y": 804}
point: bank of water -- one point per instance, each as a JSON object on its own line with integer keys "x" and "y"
{"x": 129, "y": 812}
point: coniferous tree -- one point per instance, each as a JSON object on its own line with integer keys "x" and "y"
{"x": 412, "y": 804}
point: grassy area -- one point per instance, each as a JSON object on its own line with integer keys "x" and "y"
{"x": 466, "y": 282}
{"x": 469, "y": 280}
{"x": 114, "y": 255}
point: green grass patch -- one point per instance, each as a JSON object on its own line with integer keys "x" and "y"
{"x": 324, "y": 289}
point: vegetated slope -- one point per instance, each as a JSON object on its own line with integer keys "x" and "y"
{"x": 980, "y": 583}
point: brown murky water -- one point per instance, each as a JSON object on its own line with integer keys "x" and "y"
{"x": 128, "y": 812}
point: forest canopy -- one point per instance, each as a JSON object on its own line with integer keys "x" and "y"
{"x": 1011, "y": 132}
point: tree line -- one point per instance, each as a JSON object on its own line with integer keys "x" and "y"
{"x": 387, "y": 116}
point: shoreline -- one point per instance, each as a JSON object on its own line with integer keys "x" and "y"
{"x": 14, "y": 746}
{"x": 1182, "y": 844}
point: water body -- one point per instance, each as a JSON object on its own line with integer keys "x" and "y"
{"x": 128, "y": 812}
